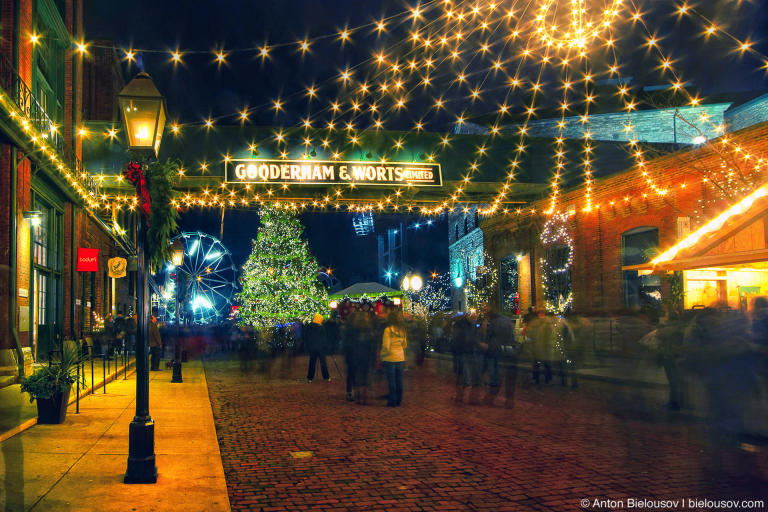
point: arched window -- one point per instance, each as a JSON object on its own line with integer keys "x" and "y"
{"x": 466, "y": 225}
{"x": 638, "y": 246}
{"x": 457, "y": 231}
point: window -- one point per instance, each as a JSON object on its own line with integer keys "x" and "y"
{"x": 42, "y": 298}
{"x": 46, "y": 293}
{"x": 558, "y": 276}
{"x": 49, "y": 58}
{"x": 457, "y": 273}
{"x": 466, "y": 225}
{"x": 508, "y": 285}
{"x": 45, "y": 236}
{"x": 60, "y": 6}
{"x": 642, "y": 292}
{"x": 40, "y": 241}
{"x": 457, "y": 231}
{"x": 479, "y": 260}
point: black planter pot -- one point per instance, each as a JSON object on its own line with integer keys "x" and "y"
{"x": 52, "y": 411}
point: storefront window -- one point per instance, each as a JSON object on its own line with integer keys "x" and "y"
{"x": 642, "y": 292}
{"x": 46, "y": 279}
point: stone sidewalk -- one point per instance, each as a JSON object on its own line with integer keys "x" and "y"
{"x": 17, "y": 413}
{"x": 80, "y": 464}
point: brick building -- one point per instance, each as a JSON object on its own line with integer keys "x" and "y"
{"x": 465, "y": 252}
{"x": 44, "y": 190}
{"x": 102, "y": 81}
{"x": 627, "y": 226}
{"x": 622, "y": 233}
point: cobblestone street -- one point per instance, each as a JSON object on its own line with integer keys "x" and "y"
{"x": 290, "y": 445}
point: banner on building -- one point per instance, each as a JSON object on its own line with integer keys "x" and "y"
{"x": 87, "y": 259}
{"x": 116, "y": 267}
{"x": 328, "y": 172}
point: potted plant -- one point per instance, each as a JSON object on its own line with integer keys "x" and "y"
{"x": 50, "y": 386}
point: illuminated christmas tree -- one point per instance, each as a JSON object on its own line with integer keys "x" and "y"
{"x": 279, "y": 279}
{"x": 482, "y": 282}
{"x": 433, "y": 298}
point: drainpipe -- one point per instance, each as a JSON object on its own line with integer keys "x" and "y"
{"x": 72, "y": 273}
{"x": 73, "y": 141}
{"x": 13, "y": 257}
{"x": 15, "y": 42}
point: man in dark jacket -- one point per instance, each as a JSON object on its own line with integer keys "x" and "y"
{"x": 315, "y": 343}
{"x": 463, "y": 343}
{"x": 155, "y": 344}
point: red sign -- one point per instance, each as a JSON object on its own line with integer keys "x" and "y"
{"x": 87, "y": 260}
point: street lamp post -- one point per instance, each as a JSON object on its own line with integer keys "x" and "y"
{"x": 177, "y": 258}
{"x": 143, "y": 112}
{"x": 412, "y": 283}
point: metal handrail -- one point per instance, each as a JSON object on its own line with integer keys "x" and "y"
{"x": 24, "y": 99}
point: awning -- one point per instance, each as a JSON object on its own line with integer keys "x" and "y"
{"x": 368, "y": 289}
{"x": 738, "y": 236}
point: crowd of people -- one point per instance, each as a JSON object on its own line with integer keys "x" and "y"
{"x": 725, "y": 350}
{"x": 484, "y": 346}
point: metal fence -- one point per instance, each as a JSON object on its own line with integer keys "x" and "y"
{"x": 24, "y": 99}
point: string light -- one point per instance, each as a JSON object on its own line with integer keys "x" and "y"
{"x": 548, "y": 42}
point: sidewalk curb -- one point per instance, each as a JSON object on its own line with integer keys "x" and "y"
{"x": 581, "y": 374}
{"x": 83, "y": 393}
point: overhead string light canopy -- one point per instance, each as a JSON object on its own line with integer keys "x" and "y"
{"x": 498, "y": 76}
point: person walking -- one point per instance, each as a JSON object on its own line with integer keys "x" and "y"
{"x": 476, "y": 357}
{"x": 500, "y": 357}
{"x": 462, "y": 341}
{"x": 562, "y": 341}
{"x": 760, "y": 321}
{"x": 363, "y": 353}
{"x": 315, "y": 343}
{"x": 540, "y": 331}
{"x": 348, "y": 334}
{"x": 393, "y": 345}
{"x": 155, "y": 345}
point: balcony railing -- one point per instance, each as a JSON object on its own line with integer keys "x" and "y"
{"x": 21, "y": 95}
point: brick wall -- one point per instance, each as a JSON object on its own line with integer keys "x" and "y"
{"x": 748, "y": 114}
{"x": 89, "y": 234}
{"x": 102, "y": 82}
{"x": 662, "y": 126}
{"x": 659, "y": 126}
{"x": 85, "y": 232}
{"x": 461, "y": 248}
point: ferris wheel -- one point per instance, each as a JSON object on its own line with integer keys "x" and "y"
{"x": 208, "y": 279}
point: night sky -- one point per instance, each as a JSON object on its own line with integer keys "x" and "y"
{"x": 199, "y": 88}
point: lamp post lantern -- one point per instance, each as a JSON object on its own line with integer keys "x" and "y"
{"x": 143, "y": 110}
{"x": 412, "y": 283}
{"x": 143, "y": 113}
{"x": 177, "y": 258}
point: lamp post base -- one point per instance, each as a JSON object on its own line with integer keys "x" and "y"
{"x": 141, "y": 452}
{"x": 176, "y": 376}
